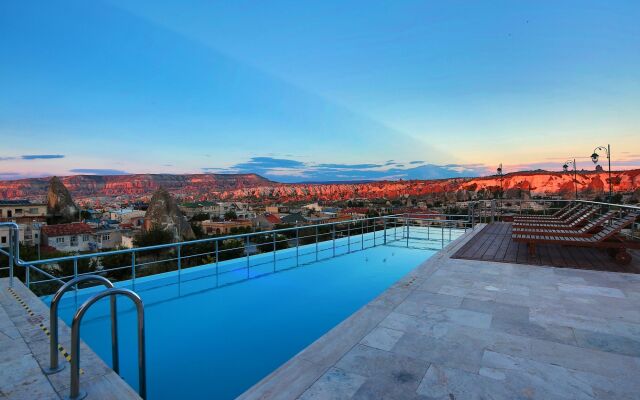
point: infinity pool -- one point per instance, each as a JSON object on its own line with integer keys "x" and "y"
{"x": 207, "y": 338}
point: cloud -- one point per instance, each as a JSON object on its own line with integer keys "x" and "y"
{"x": 416, "y": 162}
{"x": 97, "y": 171}
{"x": 270, "y": 162}
{"x": 41, "y": 156}
{"x": 290, "y": 170}
{"x": 349, "y": 166}
{"x": 11, "y": 176}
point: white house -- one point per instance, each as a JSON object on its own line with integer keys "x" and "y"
{"x": 76, "y": 236}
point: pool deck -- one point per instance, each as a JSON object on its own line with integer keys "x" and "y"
{"x": 494, "y": 243}
{"x": 25, "y": 352}
{"x": 465, "y": 329}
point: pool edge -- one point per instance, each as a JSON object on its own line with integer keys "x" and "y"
{"x": 296, "y": 375}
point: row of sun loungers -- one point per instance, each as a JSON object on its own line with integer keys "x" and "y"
{"x": 571, "y": 226}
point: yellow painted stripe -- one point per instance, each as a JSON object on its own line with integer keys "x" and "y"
{"x": 41, "y": 325}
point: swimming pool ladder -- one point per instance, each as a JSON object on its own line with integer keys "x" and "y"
{"x": 112, "y": 292}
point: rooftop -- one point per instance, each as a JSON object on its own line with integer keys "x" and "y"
{"x": 75, "y": 228}
{"x": 456, "y": 328}
{"x": 15, "y": 203}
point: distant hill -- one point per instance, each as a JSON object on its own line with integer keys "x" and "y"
{"x": 141, "y": 185}
{"x": 199, "y": 187}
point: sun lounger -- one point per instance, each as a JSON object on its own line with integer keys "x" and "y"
{"x": 578, "y": 219}
{"x": 573, "y": 230}
{"x": 607, "y": 238}
{"x": 556, "y": 214}
{"x": 555, "y": 217}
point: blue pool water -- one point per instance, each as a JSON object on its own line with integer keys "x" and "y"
{"x": 207, "y": 338}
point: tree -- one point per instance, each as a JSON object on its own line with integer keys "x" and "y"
{"x": 372, "y": 213}
{"x": 265, "y": 242}
{"x": 197, "y": 230}
{"x": 616, "y": 198}
{"x": 230, "y": 215}
{"x": 152, "y": 237}
{"x": 231, "y": 248}
{"x": 200, "y": 217}
{"x": 117, "y": 261}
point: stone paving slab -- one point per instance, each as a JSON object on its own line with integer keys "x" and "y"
{"x": 463, "y": 329}
{"x": 25, "y": 352}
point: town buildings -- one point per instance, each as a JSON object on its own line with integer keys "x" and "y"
{"x": 218, "y": 210}
{"x": 225, "y": 227}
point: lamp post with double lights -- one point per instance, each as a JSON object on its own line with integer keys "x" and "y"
{"x": 595, "y": 156}
{"x": 565, "y": 168}
{"x": 499, "y": 171}
{"x": 501, "y": 176}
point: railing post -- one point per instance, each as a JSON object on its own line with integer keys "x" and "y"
{"x": 374, "y": 232}
{"x": 406, "y": 219}
{"x": 316, "y": 242}
{"x": 12, "y": 234}
{"x": 75, "y": 271}
{"x": 28, "y": 277}
{"x": 384, "y": 228}
{"x": 179, "y": 263}
{"x": 362, "y": 235}
{"x": 297, "y": 246}
{"x": 274, "y": 252}
{"x": 246, "y": 250}
{"x": 395, "y": 229}
{"x": 217, "y": 262}
{"x": 333, "y": 238}
{"x": 133, "y": 269}
{"x": 349, "y": 236}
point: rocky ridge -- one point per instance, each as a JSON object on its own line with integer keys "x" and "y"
{"x": 198, "y": 187}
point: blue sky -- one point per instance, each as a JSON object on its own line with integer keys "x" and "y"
{"x": 330, "y": 90}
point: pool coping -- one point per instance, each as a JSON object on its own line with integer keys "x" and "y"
{"x": 25, "y": 343}
{"x": 294, "y": 377}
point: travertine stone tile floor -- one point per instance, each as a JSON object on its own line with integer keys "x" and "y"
{"x": 24, "y": 351}
{"x": 459, "y": 329}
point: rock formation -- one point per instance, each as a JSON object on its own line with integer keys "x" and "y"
{"x": 240, "y": 187}
{"x": 60, "y": 205}
{"x": 163, "y": 211}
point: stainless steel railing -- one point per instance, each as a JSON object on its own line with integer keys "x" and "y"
{"x": 246, "y": 245}
{"x": 74, "y": 390}
{"x": 54, "y": 366}
{"x": 14, "y": 246}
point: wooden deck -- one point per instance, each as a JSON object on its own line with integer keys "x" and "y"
{"x": 494, "y": 243}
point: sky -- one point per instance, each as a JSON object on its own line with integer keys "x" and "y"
{"x": 316, "y": 90}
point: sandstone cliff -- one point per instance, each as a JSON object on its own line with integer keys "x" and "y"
{"x": 163, "y": 211}
{"x": 200, "y": 187}
{"x": 60, "y": 205}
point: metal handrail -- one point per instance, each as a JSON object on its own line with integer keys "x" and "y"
{"x": 14, "y": 247}
{"x": 53, "y": 322}
{"x": 599, "y": 203}
{"x": 353, "y": 227}
{"x": 74, "y": 390}
{"x": 219, "y": 238}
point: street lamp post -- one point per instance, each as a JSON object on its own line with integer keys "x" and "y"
{"x": 499, "y": 171}
{"x": 595, "y": 156}
{"x": 565, "y": 168}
